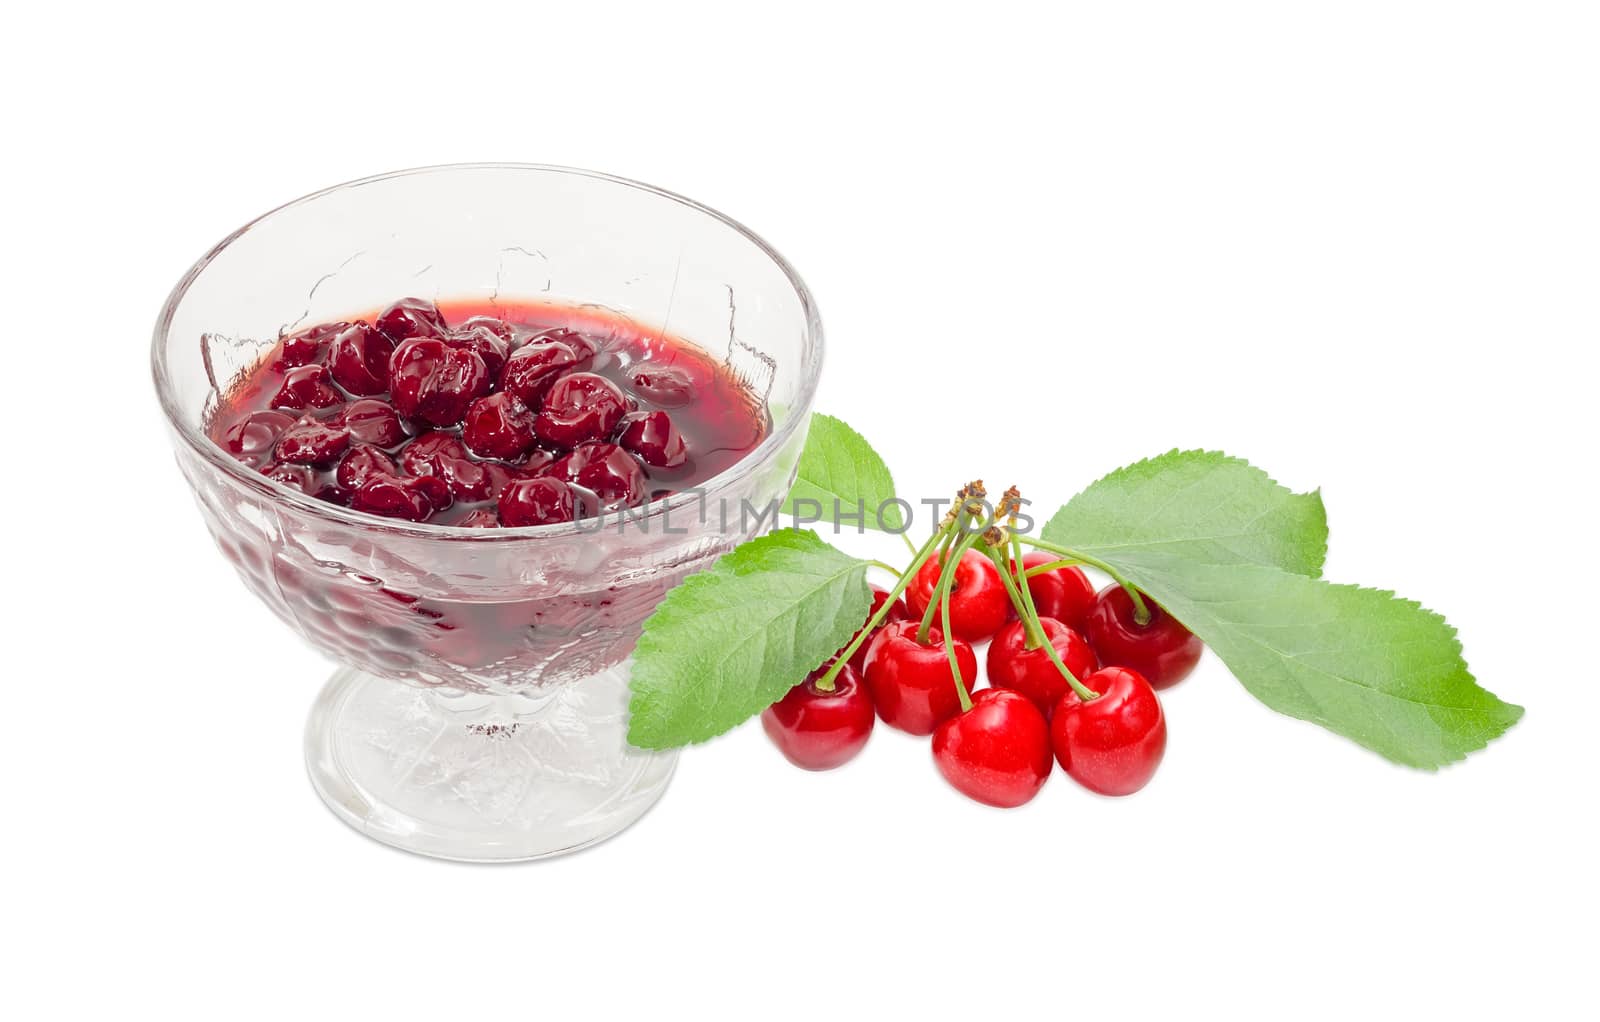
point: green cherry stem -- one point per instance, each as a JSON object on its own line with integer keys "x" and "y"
{"x": 825, "y": 683}
{"x": 950, "y": 650}
{"x": 1029, "y": 614}
{"x": 909, "y": 545}
{"x": 891, "y": 569}
{"x": 1065, "y": 562}
{"x": 1023, "y": 604}
{"x": 947, "y": 576}
{"x": 1141, "y": 612}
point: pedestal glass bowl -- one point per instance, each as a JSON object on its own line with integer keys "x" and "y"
{"x": 480, "y": 709}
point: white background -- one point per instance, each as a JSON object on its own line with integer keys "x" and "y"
{"x": 1355, "y": 243}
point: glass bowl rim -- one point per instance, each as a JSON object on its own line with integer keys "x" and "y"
{"x": 202, "y": 445}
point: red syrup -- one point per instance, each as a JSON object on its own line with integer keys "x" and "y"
{"x": 477, "y": 395}
{"x": 570, "y": 410}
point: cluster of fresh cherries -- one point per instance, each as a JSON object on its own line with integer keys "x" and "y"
{"x": 1071, "y": 671}
{"x": 480, "y": 424}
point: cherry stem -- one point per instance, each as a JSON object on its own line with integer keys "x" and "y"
{"x": 1031, "y": 616}
{"x": 909, "y": 545}
{"x": 825, "y": 683}
{"x": 1141, "y": 611}
{"x": 947, "y": 576}
{"x": 950, "y": 649}
{"x": 1022, "y": 599}
{"x": 1040, "y": 569}
{"x": 891, "y": 569}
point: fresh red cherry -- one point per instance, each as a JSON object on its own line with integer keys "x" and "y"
{"x": 432, "y": 381}
{"x": 541, "y": 501}
{"x": 820, "y": 730}
{"x": 979, "y": 604}
{"x": 482, "y": 518}
{"x": 359, "y": 359}
{"x": 858, "y": 659}
{"x": 910, "y": 682}
{"x": 490, "y": 338}
{"x": 663, "y": 386}
{"x": 411, "y": 317}
{"x": 306, "y": 347}
{"x": 653, "y": 437}
{"x": 372, "y": 422}
{"x": 1111, "y": 744}
{"x": 1163, "y": 650}
{"x": 998, "y": 752}
{"x": 307, "y": 387}
{"x": 252, "y": 437}
{"x": 498, "y": 426}
{"x": 360, "y": 464}
{"x": 1031, "y": 672}
{"x": 579, "y": 407}
{"x": 1062, "y": 593}
{"x": 312, "y": 442}
{"x": 533, "y": 368}
{"x": 607, "y": 471}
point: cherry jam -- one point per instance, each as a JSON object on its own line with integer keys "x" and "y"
{"x": 487, "y": 414}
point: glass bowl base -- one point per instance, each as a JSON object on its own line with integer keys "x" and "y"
{"x": 481, "y": 778}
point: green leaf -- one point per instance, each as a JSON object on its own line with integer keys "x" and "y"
{"x": 1363, "y": 663}
{"x": 729, "y": 641}
{"x": 1202, "y": 506}
{"x": 840, "y": 471}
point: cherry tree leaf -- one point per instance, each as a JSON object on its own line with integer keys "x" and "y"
{"x": 841, "y": 473}
{"x": 729, "y": 641}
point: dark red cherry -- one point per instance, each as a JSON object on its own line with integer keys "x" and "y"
{"x": 817, "y": 729}
{"x": 911, "y": 683}
{"x": 661, "y": 385}
{"x": 396, "y": 497}
{"x": 653, "y": 437}
{"x": 307, "y": 387}
{"x": 484, "y": 339}
{"x": 581, "y": 406}
{"x": 360, "y": 464}
{"x": 297, "y": 476}
{"x": 585, "y": 348}
{"x": 312, "y": 442}
{"x": 498, "y": 426}
{"x": 1065, "y": 594}
{"x": 997, "y": 752}
{"x": 498, "y": 327}
{"x": 1161, "y": 650}
{"x": 372, "y": 422}
{"x": 411, "y": 317}
{"x": 607, "y": 471}
{"x": 1014, "y": 666}
{"x": 307, "y": 347}
{"x": 1111, "y": 744}
{"x": 359, "y": 359}
{"x": 483, "y": 518}
{"x": 443, "y": 456}
{"x": 424, "y": 455}
{"x": 431, "y": 381}
{"x": 541, "y": 501}
{"x": 533, "y": 368}
{"x": 252, "y": 437}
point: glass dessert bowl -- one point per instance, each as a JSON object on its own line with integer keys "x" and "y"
{"x": 480, "y": 709}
